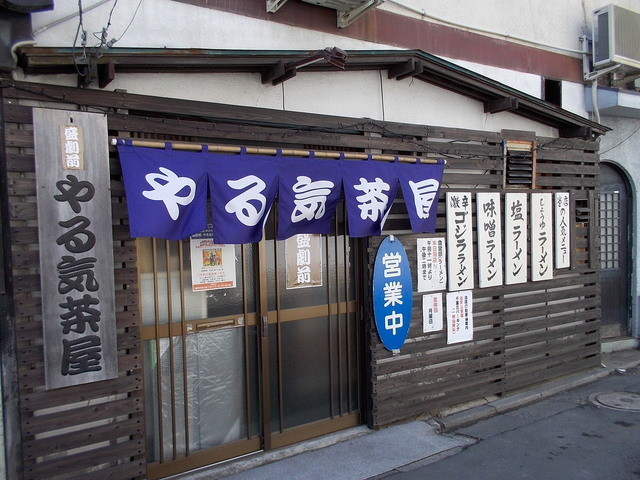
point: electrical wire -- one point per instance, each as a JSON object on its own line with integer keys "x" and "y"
{"x": 131, "y": 21}
{"x": 75, "y": 41}
{"x": 621, "y": 142}
{"x": 424, "y": 14}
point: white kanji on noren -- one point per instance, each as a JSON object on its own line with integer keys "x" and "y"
{"x": 245, "y": 211}
{"x": 310, "y": 198}
{"x": 424, "y": 193}
{"x": 373, "y": 202}
{"x": 167, "y": 192}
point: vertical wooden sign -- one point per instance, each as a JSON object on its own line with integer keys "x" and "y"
{"x": 76, "y": 247}
{"x": 541, "y": 236}
{"x": 459, "y": 241}
{"x": 562, "y": 230}
{"x": 515, "y": 238}
{"x": 489, "y": 230}
{"x": 303, "y": 256}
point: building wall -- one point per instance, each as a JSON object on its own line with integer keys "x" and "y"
{"x": 621, "y": 147}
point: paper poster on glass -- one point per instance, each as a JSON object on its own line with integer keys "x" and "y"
{"x": 432, "y": 265}
{"x": 303, "y": 257}
{"x": 213, "y": 266}
{"x": 459, "y": 317}
{"x": 432, "y": 310}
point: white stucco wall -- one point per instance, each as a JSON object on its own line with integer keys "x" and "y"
{"x": 552, "y": 24}
{"x": 359, "y": 94}
{"x": 165, "y": 23}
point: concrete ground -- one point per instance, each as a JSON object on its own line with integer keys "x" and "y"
{"x": 550, "y": 431}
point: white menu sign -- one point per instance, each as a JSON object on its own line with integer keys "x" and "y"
{"x": 489, "y": 228}
{"x": 563, "y": 259}
{"x": 515, "y": 238}
{"x": 541, "y": 237}
{"x": 460, "y": 241}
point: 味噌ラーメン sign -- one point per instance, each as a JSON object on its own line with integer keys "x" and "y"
{"x": 76, "y": 247}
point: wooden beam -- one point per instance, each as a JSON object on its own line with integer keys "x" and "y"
{"x": 501, "y": 105}
{"x": 575, "y": 132}
{"x": 410, "y": 68}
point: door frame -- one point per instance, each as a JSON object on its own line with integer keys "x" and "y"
{"x": 630, "y": 257}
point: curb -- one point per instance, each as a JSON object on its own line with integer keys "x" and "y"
{"x": 511, "y": 402}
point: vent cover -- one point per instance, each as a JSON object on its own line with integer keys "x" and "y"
{"x": 519, "y": 164}
{"x": 616, "y": 34}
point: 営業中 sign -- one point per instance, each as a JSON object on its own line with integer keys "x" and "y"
{"x": 392, "y": 293}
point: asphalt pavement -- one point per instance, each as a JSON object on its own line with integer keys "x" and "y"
{"x": 580, "y": 427}
{"x": 589, "y": 433}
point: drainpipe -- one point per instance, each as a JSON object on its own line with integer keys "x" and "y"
{"x": 593, "y": 76}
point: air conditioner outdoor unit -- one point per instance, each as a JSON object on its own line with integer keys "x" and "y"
{"x": 616, "y": 36}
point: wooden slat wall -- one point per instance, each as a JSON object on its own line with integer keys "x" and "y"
{"x": 93, "y": 430}
{"x": 523, "y": 333}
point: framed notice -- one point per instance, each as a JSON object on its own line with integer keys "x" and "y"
{"x": 303, "y": 257}
{"x": 76, "y": 247}
{"x": 459, "y": 317}
{"x": 562, "y": 231}
{"x": 432, "y": 312}
{"x": 459, "y": 241}
{"x": 213, "y": 266}
{"x": 432, "y": 272}
{"x": 489, "y": 230}
{"x": 541, "y": 236}
{"x": 515, "y": 238}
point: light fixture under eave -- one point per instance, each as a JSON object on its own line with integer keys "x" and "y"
{"x": 348, "y": 11}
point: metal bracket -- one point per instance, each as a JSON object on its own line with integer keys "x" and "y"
{"x": 274, "y": 5}
{"x": 347, "y": 17}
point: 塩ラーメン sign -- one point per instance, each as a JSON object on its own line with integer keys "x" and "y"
{"x": 76, "y": 247}
{"x": 392, "y": 293}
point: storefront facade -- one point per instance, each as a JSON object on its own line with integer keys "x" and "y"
{"x": 208, "y": 375}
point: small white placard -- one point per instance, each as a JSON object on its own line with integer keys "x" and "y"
{"x": 459, "y": 317}
{"x": 432, "y": 312}
{"x": 432, "y": 273}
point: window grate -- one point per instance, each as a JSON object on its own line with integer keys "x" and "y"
{"x": 610, "y": 230}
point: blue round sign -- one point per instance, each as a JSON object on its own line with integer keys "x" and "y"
{"x": 392, "y": 293}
